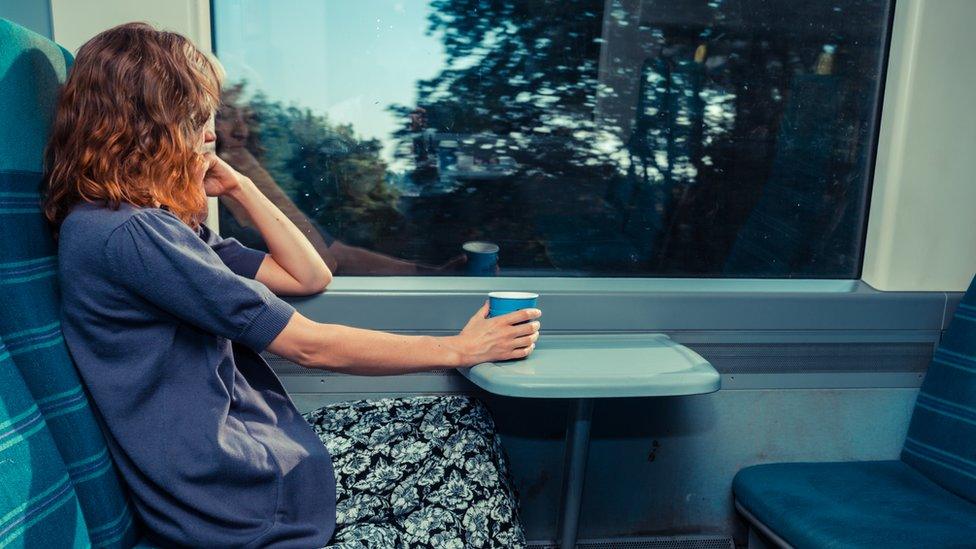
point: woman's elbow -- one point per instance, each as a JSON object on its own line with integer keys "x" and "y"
{"x": 320, "y": 355}
{"x": 317, "y": 283}
{"x": 321, "y": 283}
{"x": 305, "y": 343}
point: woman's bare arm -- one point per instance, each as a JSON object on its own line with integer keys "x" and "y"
{"x": 293, "y": 266}
{"x": 244, "y": 163}
{"x": 369, "y": 352}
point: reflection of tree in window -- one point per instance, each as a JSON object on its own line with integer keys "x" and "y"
{"x": 687, "y": 140}
{"x": 319, "y": 176}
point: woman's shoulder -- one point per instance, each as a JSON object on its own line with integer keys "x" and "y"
{"x": 100, "y": 216}
{"x": 93, "y": 223}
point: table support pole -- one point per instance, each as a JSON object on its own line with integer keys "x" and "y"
{"x": 574, "y": 470}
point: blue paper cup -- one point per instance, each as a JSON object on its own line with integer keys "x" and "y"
{"x": 500, "y": 303}
{"x": 482, "y": 258}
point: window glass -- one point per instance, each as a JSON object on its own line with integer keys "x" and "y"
{"x": 718, "y": 138}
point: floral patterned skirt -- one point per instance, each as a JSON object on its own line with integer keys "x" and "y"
{"x": 418, "y": 472}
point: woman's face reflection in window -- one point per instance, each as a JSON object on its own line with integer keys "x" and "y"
{"x": 231, "y": 125}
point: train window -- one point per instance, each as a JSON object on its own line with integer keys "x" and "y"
{"x": 594, "y": 138}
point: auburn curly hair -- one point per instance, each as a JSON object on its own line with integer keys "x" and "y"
{"x": 127, "y": 124}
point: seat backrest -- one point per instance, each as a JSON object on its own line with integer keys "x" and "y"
{"x": 31, "y": 70}
{"x": 38, "y": 503}
{"x": 941, "y": 441}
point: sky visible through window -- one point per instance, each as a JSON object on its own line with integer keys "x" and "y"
{"x": 347, "y": 60}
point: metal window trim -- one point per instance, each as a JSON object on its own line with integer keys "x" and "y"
{"x": 444, "y": 304}
{"x": 595, "y": 284}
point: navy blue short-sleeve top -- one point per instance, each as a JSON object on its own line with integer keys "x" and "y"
{"x": 165, "y": 325}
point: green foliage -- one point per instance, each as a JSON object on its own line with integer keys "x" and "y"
{"x": 337, "y": 179}
{"x": 525, "y": 71}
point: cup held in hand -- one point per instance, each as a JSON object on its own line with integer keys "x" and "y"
{"x": 500, "y": 303}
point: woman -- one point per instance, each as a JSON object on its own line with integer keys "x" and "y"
{"x": 165, "y": 321}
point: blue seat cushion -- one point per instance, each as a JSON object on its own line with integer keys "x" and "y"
{"x": 855, "y": 504}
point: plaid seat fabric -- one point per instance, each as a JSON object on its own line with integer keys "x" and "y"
{"x": 38, "y": 504}
{"x": 941, "y": 441}
{"x": 77, "y": 466}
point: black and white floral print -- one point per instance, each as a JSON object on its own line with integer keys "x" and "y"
{"x": 418, "y": 472}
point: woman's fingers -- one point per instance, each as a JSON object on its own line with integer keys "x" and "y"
{"x": 203, "y": 166}
{"x": 525, "y": 340}
{"x": 526, "y": 329}
{"x": 519, "y": 316}
{"x": 523, "y": 352}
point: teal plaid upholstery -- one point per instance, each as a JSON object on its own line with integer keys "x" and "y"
{"x": 31, "y": 69}
{"x": 38, "y": 504}
{"x": 941, "y": 440}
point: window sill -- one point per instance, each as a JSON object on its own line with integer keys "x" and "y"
{"x": 462, "y": 284}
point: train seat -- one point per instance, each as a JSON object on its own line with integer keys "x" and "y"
{"x": 925, "y": 499}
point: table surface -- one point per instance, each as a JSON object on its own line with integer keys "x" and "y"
{"x": 600, "y": 366}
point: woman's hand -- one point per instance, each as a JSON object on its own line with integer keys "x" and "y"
{"x": 451, "y": 266}
{"x": 219, "y": 178}
{"x": 488, "y": 339}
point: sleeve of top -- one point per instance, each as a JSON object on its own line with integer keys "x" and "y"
{"x": 326, "y": 236}
{"x": 238, "y": 257}
{"x": 157, "y": 257}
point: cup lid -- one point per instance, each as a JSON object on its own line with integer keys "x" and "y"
{"x": 480, "y": 247}
{"x": 513, "y": 295}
